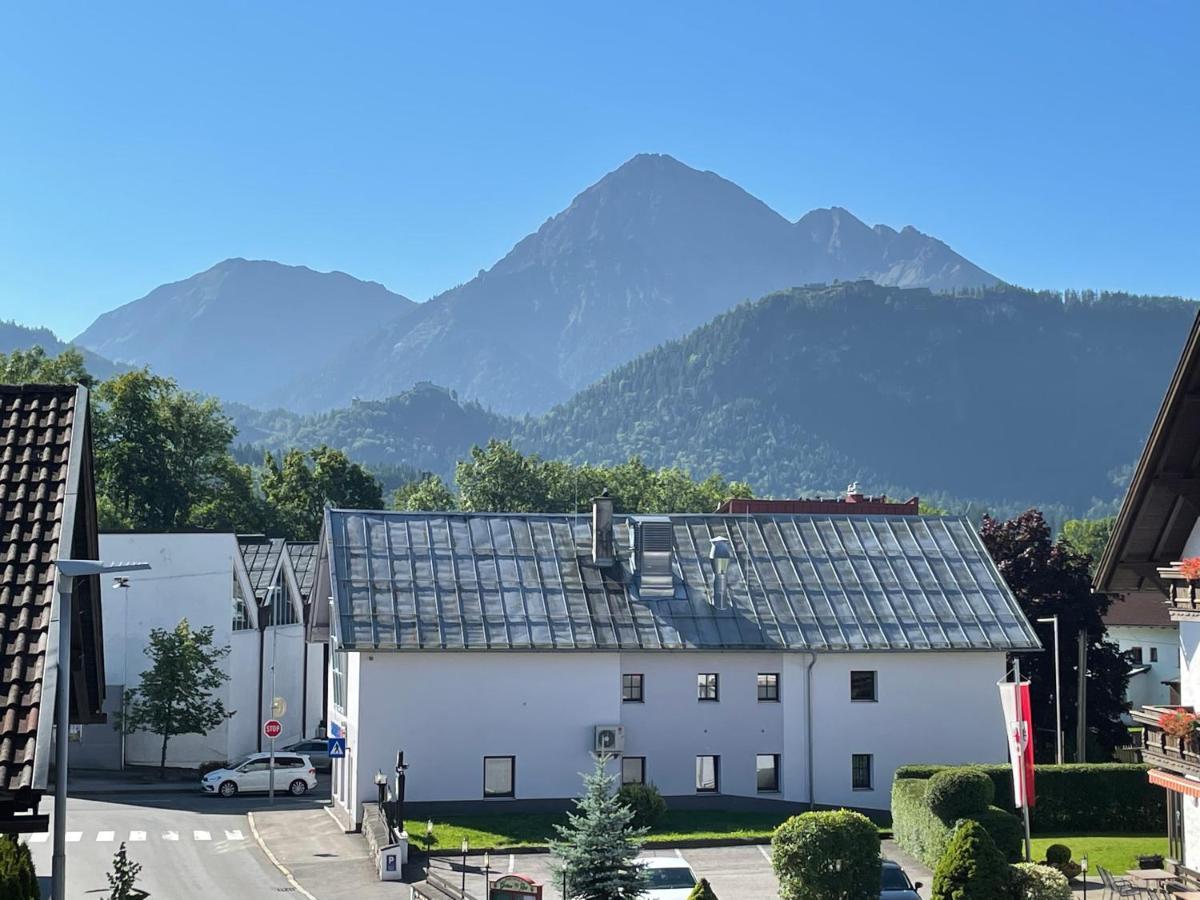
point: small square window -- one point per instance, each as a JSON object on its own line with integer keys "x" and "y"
{"x": 862, "y": 687}
{"x": 768, "y": 687}
{"x": 633, "y": 770}
{"x": 1153, "y": 654}
{"x": 707, "y": 686}
{"x": 498, "y": 776}
{"x": 767, "y": 766}
{"x": 631, "y": 689}
{"x": 1135, "y": 655}
{"x": 861, "y": 775}
{"x": 708, "y": 774}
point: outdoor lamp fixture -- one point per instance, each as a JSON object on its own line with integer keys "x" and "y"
{"x": 1083, "y": 871}
{"x": 381, "y": 788}
{"x": 487, "y": 870}
{"x": 428, "y": 835}
{"x": 68, "y": 571}
{"x": 466, "y": 847}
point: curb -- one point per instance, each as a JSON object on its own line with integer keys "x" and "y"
{"x": 276, "y": 863}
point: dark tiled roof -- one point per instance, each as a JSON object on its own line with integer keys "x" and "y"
{"x": 261, "y": 557}
{"x": 500, "y": 582}
{"x": 39, "y": 499}
{"x": 302, "y": 557}
{"x": 1139, "y": 608}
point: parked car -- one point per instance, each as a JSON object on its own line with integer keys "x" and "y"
{"x": 294, "y": 773}
{"x": 316, "y": 750}
{"x": 894, "y": 883}
{"x": 667, "y": 878}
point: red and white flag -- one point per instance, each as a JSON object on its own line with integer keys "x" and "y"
{"x": 1018, "y": 721}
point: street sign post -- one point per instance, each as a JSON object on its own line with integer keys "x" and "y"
{"x": 272, "y": 728}
{"x": 337, "y": 748}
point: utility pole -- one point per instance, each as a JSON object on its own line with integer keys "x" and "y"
{"x": 1022, "y": 741}
{"x": 274, "y": 648}
{"x": 1081, "y": 704}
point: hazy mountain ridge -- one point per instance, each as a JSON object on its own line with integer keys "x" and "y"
{"x": 14, "y": 336}
{"x": 242, "y": 327}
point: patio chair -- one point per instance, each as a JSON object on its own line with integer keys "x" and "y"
{"x": 1121, "y": 887}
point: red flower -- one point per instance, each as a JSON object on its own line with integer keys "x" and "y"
{"x": 1178, "y": 723}
{"x": 1190, "y": 568}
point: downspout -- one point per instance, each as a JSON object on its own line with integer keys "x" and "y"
{"x": 808, "y": 728}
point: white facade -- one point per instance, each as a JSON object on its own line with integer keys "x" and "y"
{"x": 449, "y": 710}
{"x": 1159, "y": 647}
{"x": 191, "y": 577}
{"x": 1189, "y": 695}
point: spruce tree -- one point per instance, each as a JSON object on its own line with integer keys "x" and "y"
{"x": 971, "y": 868}
{"x": 597, "y": 849}
{"x": 121, "y": 880}
{"x": 18, "y": 881}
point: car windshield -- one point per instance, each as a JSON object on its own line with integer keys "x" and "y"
{"x": 673, "y": 877}
{"x": 894, "y": 879}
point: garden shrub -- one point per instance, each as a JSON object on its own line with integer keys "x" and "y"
{"x": 925, "y": 835}
{"x": 955, "y": 793}
{"x": 1031, "y": 881}
{"x": 702, "y": 891}
{"x": 1056, "y": 854}
{"x": 806, "y": 849}
{"x": 646, "y": 802}
{"x": 1006, "y": 830}
{"x": 971, "y": 868}
{"x": 18, "y": 880}
{"x": 1072, "y": 798}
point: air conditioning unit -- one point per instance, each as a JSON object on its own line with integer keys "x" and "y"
{"x": 609, "y": 739}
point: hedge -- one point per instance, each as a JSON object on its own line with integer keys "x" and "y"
{"x": 918, "y": 830}
{"x": 1073, "y": 798}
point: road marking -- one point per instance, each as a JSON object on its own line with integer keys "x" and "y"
{"x": 201, "y": 836}
{"x": 763, "y": 851}
{"x": 512, "y": 863}
{"x": 39, "y": 837}
{"x": 170, "y": 835}
{"x": 235, "y": 835}
{"x": 137, "y": 836}
{"x": 73, "y": 836}
{"x": 271, "y": 856}
{"x": 102, "y": 836}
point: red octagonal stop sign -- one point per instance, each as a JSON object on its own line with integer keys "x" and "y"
{"x": 272, "y": 728}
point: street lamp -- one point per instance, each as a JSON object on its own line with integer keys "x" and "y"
{"x": 122, "y": 582}
{"x": 487, "y": 872}
{"x": 1083, "y": 868}
{"x": 68, "y": 571}
{"x": 381, "y": 791}
{"x": 1058, "y": 735}
{"x": 428, "y": 835}
{"x": 466, "y": 847}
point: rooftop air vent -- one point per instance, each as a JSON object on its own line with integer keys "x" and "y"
{"x": 653, "y": 542}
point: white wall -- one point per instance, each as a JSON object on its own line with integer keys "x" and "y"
{"x": 449, "y": 710}
{"x": 1147, "y": 688}
{"x": 243, "y": 669}
{"x": 1189, "y": 689}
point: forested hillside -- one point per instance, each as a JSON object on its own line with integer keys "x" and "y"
{"x": 22, "y": 337}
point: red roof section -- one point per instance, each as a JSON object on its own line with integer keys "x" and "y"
{"x": 851, "y": 504}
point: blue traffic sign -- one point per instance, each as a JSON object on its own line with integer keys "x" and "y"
{"x": 337, "y": 748}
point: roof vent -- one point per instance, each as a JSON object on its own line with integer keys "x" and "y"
{"x": 653, "y": 545}
{"x": 602, "y": 530}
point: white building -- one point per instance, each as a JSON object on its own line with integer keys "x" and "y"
{"x": 499, "y": 651}
{"x": 1141, "y": 626}
{"x": 205, "y": 578}
{"x": 1159, "y": 527}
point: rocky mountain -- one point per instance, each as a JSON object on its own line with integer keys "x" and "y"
{"x": 649, "y": 252}
{"x": 22, "y": 337}
{"x": 243, "y": 327}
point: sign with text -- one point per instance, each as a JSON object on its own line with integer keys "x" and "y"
{"x": 272, "y": 728}
{"x": 514, "y": 887}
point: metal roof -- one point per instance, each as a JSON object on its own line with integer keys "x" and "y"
{"x": 261, "y": 557}
{"x": 302, "y": 556}
{"x": 467, "y": 581}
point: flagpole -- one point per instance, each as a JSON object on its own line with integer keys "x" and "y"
{"x": 1020, "y": 747}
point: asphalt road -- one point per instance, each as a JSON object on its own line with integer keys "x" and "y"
{"x": 189, "y": 846}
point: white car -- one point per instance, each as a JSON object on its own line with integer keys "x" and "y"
{"x": 667, "y": 878}
{"x": 294, "y": 773}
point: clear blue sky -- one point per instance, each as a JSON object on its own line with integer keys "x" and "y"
{"x": 1055, "y": 144}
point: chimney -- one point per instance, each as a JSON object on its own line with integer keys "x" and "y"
{"x": 602, "y": 530}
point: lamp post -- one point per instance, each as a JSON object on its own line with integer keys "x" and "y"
{"x": 68, "y": 571}
{"x": 1083, "y": 866}
{"x": 466, "y": 847}
{"x": 1058, "y": 735}
{"x": 381, "y": 799}
{"x": 428, "y": 835}
{"x": 401, "y": 779}
{"x": 122, "y": 582}
{"x": 487, "y": 872}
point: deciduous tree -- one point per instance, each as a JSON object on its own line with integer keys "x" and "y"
{"x": 428, "y": 494}
{"x": 34, "y": 366}
{"x": 297, "y": 488}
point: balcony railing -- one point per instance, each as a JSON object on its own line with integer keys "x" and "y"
{"x": 1175, "y": 754}
{"x": 1183, "y": 594}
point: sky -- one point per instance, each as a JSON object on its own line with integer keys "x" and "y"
{"x": 1055, "y": 144}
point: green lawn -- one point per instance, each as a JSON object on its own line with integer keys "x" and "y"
{"x": 1116, "y": 852}
{"x": 534, "y": 829}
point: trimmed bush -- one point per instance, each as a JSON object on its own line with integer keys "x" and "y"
{"x": 971, "y": 868}
{"x": 1031, "y": 881}
{"x": 702, "y": 891}
{"x": 819, "y": 855}
{"x": 646, "y": 802}
{"x": 922, "y": 833}
{"x": 1006, "y": 830}
{"x": 1057, "y": 854}
{"x": 1072, "y": 798}
{"x": 18, "y": 881}
{"x": 955, "y": 793}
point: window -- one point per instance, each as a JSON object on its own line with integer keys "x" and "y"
{"x": 633, "y": 770}
{"x": 862, "y": 687}
{"x": 767, "y": 766}
{"x": 279, "y": 601}
{"x": 861, "y": 778}
{"x": 708, "y": 774}
{"x": 768, "y": 687}
{"x": 707, "y": 686}
{"x": 631, "y": 688}
{"x": 338, "y": 668}
{"x": 241, "y": 618}
{"x": 1135, "y": 655}
{"x": 1153, "y": 654}
{"x": 498, "y": 776}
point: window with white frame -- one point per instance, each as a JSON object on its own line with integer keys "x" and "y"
{"x": 708, "y": 774}
{"x": 708, "y": 687}
{"x": 498, "y": 776}
{"x": 337, "y": 667}
{"x": 766, "y": 767}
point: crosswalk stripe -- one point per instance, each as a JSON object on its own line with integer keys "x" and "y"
{"x": 73, "y": 836}
{"x": 137, "y": 836}
{"x": 170, "y": 835}
{"x": 39, "y": 837}
{"x": 235, "y": 835}
{"x": 201, "y": 836}
{"x": 104, "y": 836}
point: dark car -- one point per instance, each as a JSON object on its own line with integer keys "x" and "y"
{"x": 894, "y": 883}
{"x": 317, "y": 750}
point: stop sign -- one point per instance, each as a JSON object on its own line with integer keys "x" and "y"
{"x": 272, "y": 728}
